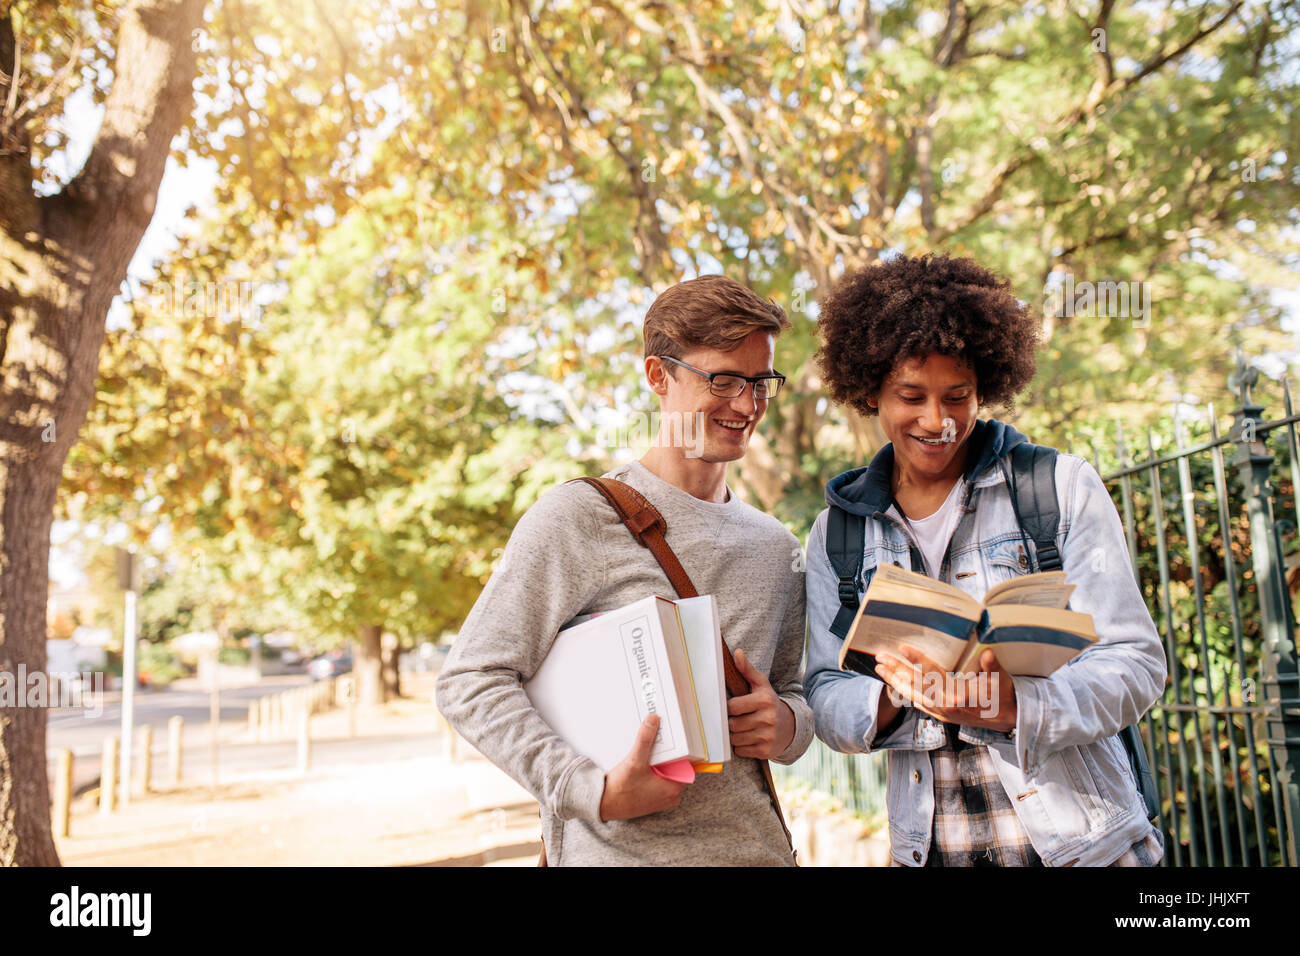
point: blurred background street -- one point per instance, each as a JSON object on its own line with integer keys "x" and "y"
{"x": 398, "y": 793}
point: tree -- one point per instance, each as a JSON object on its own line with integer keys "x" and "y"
{"x": 783, "y": 147}
{"x": 350, "y": 460}
{"x": 784, "y": 143}
{"x": 408, "y": 456}
{"x": 620, "y": 148}
{"x": 601, "y": 153}
{"x": 64, "y": 257}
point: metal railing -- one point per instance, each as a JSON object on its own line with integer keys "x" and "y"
{"x": 1224, "y": 739}
{"x": 855, "y": 781}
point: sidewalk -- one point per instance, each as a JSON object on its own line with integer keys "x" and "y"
{"x": 392, "y": 796}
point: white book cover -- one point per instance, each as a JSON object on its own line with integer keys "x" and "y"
{"x": 603, "y": 677}
{"x": 700, "y": 626}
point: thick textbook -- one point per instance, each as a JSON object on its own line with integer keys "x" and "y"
{"x": 1024, "y": 621}
{"x": 703, "y": 632}
{"x": 605, "y": 675}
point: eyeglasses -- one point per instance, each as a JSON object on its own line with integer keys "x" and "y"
{"x": 730, "y": 385}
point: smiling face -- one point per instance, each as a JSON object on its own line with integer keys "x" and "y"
{"x": 928, "y": 409}
{"x": 727, "y": 422}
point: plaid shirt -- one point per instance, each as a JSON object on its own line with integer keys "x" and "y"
{"x": 975, "y": 823}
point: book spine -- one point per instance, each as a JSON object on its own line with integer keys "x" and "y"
{"x": 651, "y": 685}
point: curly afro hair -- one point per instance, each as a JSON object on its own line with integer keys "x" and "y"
{"x": 909, "y": 308}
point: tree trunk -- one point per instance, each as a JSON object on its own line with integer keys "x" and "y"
{"x": 63, "y": 258}
{"x": 367, "y": 665}
{"x": 392, "y": 666}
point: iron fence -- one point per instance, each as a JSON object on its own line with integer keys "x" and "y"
{"x": 1224, "y": 738}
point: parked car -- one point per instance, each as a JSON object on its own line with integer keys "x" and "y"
{"x": 330, "y": 665}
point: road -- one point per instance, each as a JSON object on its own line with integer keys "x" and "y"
{"x": 83, "y": 730}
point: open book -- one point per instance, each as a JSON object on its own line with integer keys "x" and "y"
{"x": 606, "y": 673}
{"x": 1023, "y": 620}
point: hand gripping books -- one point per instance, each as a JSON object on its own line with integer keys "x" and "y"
{"x": 605, "y": 675}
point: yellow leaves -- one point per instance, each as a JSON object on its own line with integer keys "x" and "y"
{"x": 771, "y": 223}
{"x": 693, "y": 212}
{"x": 672, "y": 162}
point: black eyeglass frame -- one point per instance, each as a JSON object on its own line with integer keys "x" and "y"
{"x": 753, "y": 382}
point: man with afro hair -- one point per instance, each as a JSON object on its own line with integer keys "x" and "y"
{"x": 1039, "y": 777}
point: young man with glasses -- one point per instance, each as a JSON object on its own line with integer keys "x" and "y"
{"x": 709, "y": 346}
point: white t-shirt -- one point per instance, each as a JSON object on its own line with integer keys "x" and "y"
{"x": 934, "y": 532}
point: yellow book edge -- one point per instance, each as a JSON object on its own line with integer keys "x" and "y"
{"x": 695, "y": 699}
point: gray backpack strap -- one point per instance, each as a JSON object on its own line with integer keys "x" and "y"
{"x": 1033, "y": 492}
{"x": 845, "y": 534}
{"x": 1033, "y": 497}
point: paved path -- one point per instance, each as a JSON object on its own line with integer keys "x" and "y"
{"x": 396, "y": 794}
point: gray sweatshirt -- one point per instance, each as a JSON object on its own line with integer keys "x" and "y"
{"x": 570, "y": 555}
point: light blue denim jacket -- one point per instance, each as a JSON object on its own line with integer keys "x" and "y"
{"x": 1063, "y": 768}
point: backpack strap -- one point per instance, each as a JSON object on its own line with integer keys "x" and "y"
{"x": 648, "y": 527}
{"x": 845, "y": 537}
{"x": 1033, "y": 497}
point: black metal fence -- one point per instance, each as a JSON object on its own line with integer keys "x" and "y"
{"x": 1224, "y": 739}
{"x": 1208, "y": 553}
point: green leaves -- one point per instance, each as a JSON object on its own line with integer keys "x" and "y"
{"x": 455, "y": 218}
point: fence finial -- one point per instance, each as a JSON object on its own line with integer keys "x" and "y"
{"x": 1243, "y": 379}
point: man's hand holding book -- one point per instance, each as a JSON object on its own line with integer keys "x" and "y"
{"x": 632, "y": 788}
{"x": 761, "y": 723}
{"x": 952, "y": 698}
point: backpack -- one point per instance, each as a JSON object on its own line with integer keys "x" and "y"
{"x": 1032, "y": 479}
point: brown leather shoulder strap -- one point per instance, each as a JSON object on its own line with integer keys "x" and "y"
{"x": 649, "y": 527}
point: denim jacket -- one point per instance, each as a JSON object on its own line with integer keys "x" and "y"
{"x": 1063, "y": 768}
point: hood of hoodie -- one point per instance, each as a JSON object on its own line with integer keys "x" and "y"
{"x": 866, "y": 490}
